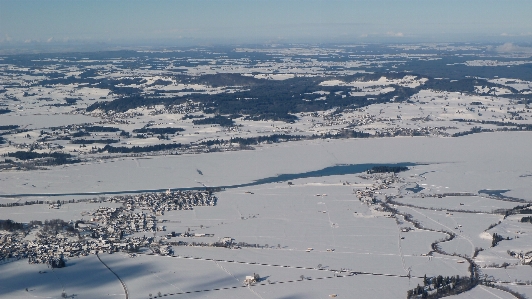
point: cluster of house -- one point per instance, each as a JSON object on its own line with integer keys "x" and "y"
{"x": 336, "y": 119}
{"x": 524, "y": 258}
{"x": 114, "y": 222}
{"x": 110, "y": 117}
{"x": 424, "y": 131}
{"x": 50, "y": 246}
{"x": 381, "y": 181}
{"x": 157, "y": 203}
{"x": 184, "y": 108}
{"x": 106, "y": 229}
{"x": 366, "y": 196}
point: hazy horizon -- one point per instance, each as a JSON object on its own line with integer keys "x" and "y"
{"x": 51, "y": 23}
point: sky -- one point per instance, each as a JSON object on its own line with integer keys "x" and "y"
{"x": 183, "y": 22}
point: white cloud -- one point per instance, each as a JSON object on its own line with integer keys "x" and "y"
{"x": 395, "y": 34}
{"x": 50, "y": 40}
{"x": 511, "y": 48}
{"x": 517, "y": 34}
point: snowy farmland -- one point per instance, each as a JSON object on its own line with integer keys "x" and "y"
{"x": 134, "y": 182}
{"x": 285, "y": 220}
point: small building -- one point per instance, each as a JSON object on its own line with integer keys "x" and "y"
{"x": 226, "y": 240}
{"x": 252, "y": 279}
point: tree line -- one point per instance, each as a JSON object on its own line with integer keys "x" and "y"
{"x": 9, "y": 127}
{"x": 91, "y": 141}
{"x": 140, "y": 149}
{"x": 385, "y": 169}
{"x": 10, "y": 225}
{"x": 55, "y": 158}
{"x": 439, "y": 286}
{"x": 158, "y": 131}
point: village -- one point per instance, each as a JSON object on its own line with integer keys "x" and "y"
{"x": 106, "y": 230}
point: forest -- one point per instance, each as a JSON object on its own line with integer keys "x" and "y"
{"x": 384, "y": 169}
{"x": 140, "y": 149}
{"x": 159, "y": 131}
{"x": 280, "y": 100}
{"x": 56, "y": 158}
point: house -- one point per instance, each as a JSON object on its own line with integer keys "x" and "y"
{"x": 252, "y": 279}
{"x": 226, "y": 240}
{"x": 55, "y": 206}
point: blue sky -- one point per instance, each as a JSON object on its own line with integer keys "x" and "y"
{"x": 263, "y": 21}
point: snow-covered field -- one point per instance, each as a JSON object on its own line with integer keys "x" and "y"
{"x": 296, "y": 212}
{"x": 321, "y": 213}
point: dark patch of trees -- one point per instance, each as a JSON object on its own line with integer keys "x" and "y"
{"x": 21, "y": 155}
{"x": 226, "y": 79}
{"x": 496, "y": 239}
{"x": 279, "y": 100}
{"x": 527, "y": 219}
{"x": 56, "y": 158}
{"x": 518, "y": 126}
{"x": 525, "y": 211}
{"x": 57, "y": 262}
{"x": 159, "y": 131}
{"x": 263, "y": 99}
{"x": 276, "y": 138}
{"x": 190, "y": 116}
{"x": 160, "y": 82}
{"x": 4, "y": 111}
{"x": 125, "y": 134}
{"x": 345, "y": 134}
{"x": 9, "y": 127}
{"x": 101, "y": 129}
{"x": 466, "y": 85}
{"x": 10, "y": 225}
{"x": 80, "y": 133}
{"x": 473, "y": 130}
{"x": 140, "y": 149}
{"x": 89, "y": 73}
{"x": 384, "y": 169}
{"x": 68, "y": 102}
{"x": 439, "y": 286}
{"x": 92, "y": 141}
{"x": 216, "y": 120}
{"x": 112, "y": 84}
{"x": 132, "y": 101}
{"x": 289, "y": 118}
{"x": 2, "y": 140}
{"x": 57, "y": 225}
